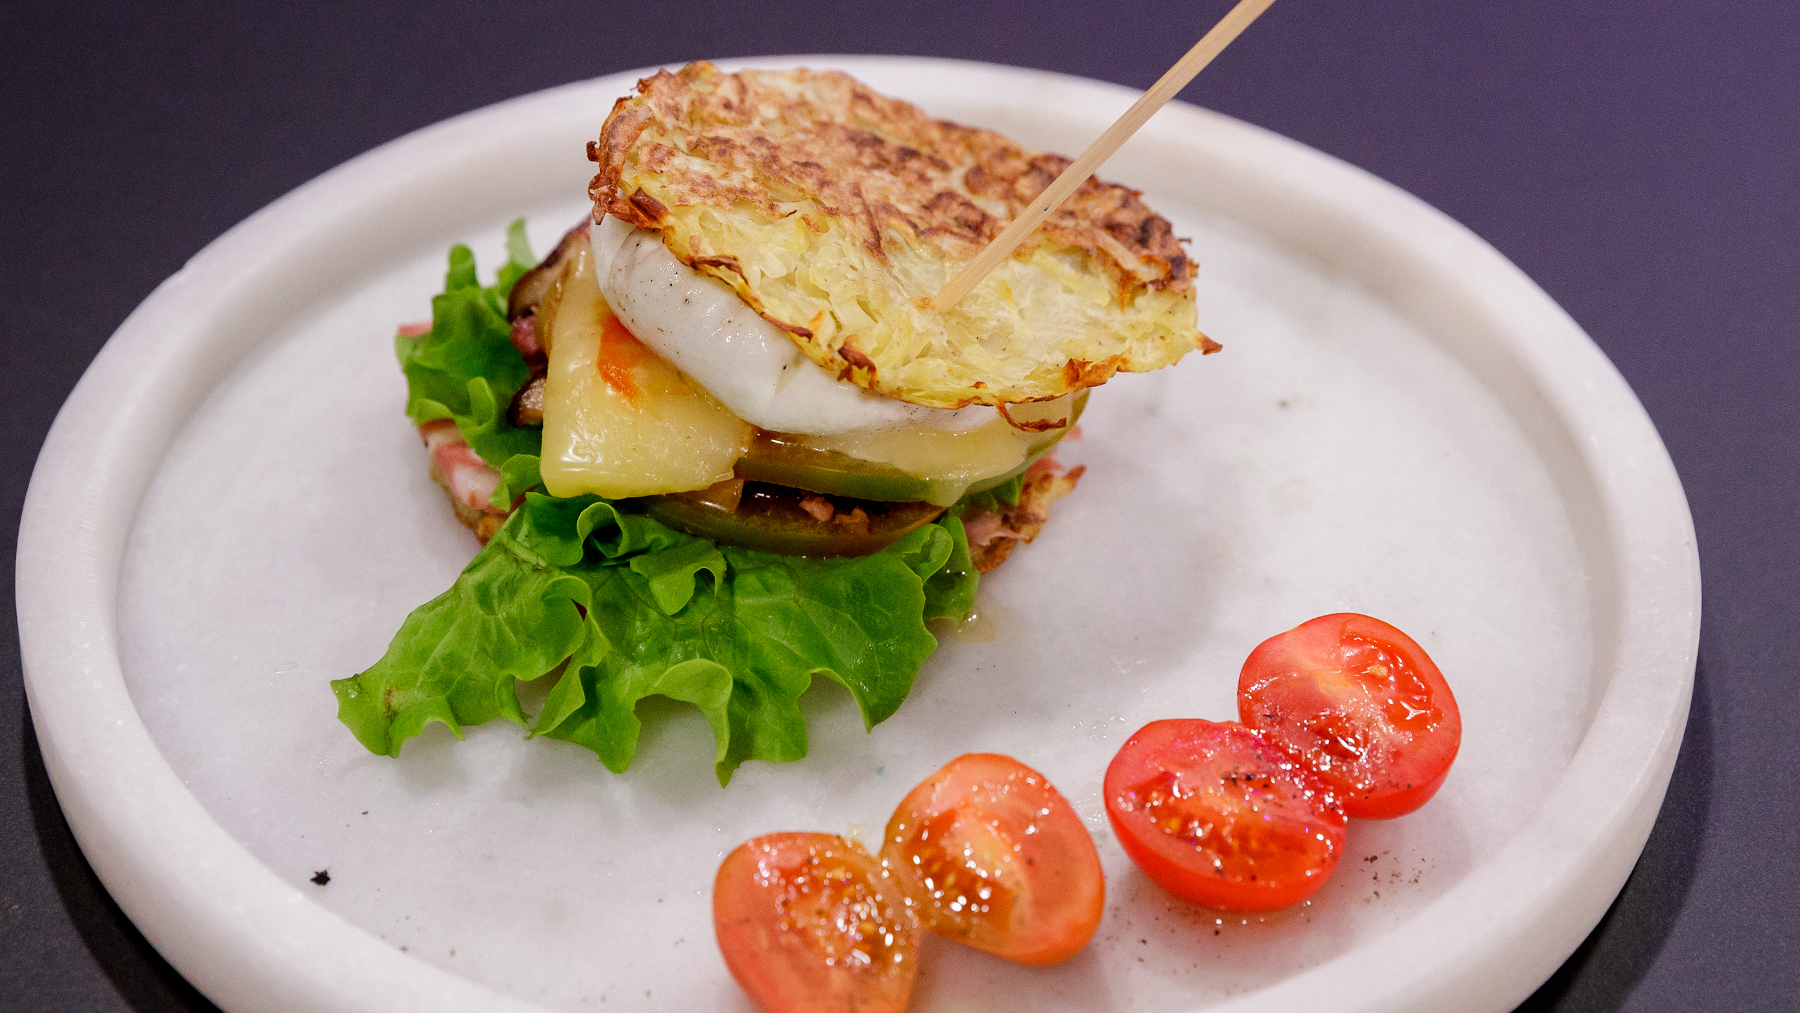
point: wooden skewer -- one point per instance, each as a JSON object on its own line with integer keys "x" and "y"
{"x": 1209, "y": 46}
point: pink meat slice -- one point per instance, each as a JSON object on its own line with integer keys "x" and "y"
{"x": 471, "y": 481}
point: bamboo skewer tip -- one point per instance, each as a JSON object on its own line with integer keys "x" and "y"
{"x": 1165, "y": 88}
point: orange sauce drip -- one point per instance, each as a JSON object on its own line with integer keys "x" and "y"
{"x": 620, "y": 354}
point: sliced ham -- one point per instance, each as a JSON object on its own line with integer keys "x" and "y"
{"x": 818, "y": 506}
{"x": 470, "y": 481}
{"x": 992, "y": 536}
{"x": 525, "y": 338}
{"x": 984, "y": 526}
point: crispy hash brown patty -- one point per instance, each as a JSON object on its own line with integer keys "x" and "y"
{"x": 836, "y": 213}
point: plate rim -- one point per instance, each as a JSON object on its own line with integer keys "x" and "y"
{"x": 248, "y": 940}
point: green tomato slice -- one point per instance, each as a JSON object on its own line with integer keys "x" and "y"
{"x": 781, "y": 460}
{"x": 770, "y": 518}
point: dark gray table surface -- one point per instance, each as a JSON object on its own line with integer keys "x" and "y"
{"x": 1640, "y": 160}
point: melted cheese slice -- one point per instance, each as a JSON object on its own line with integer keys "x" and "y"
{"x": 620, "y": 421}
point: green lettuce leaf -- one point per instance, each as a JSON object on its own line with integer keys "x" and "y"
{"x": 950, "y": 592}
{"x": 518, "y": 474}
{"x": 621, "y": 607}
{"x": 509, "y": 616}
{"x": 1006, "y": 494}
{"x": 466, "y": 368}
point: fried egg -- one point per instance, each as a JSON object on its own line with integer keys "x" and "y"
{"x": 709, "y": 333}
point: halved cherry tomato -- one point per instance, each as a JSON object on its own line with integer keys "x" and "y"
{"x": 993, "y": 856}
{"x": 811, "y": 923}
{"x": 1213, "y": 813}
{"x": 1360, "y": 703}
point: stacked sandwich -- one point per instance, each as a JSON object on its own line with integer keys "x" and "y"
{"x": 718, "y": 442}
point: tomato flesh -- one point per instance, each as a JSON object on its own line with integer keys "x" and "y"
{"x": 993, "y": 856}
{"x": 810, "y": 923}
{"x": 1362, "y": 704}
{"x": 1214, "y": 814}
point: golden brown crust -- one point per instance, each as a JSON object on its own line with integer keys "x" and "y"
{"x": 728, "y": 166}
{"x": 877, "y": 163}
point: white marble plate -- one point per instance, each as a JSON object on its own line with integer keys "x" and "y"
{"x": 232, "y": 511}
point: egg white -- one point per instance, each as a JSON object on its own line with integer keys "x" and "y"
{"x": 704, "y": 329}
